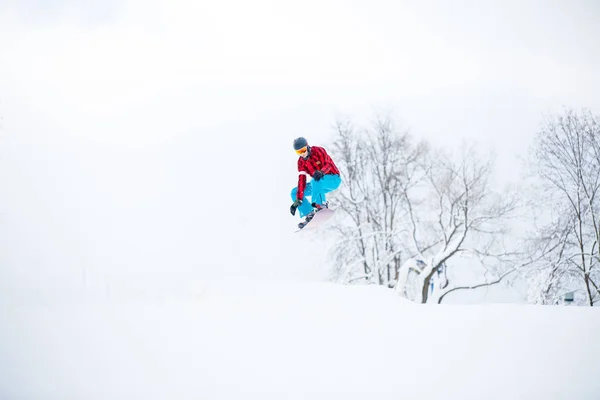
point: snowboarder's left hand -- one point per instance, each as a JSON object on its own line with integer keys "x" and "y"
{"x": 317, "y": 175}
{"x": 295, "y": 206}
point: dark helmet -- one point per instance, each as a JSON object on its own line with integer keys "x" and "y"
{"x": 300, "y": 143}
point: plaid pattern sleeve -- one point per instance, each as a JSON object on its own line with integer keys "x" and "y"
{"x": 301, "y": 182}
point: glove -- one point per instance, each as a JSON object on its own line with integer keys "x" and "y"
{"x": 317, "y": 175}
{"x": 295, "y": 206}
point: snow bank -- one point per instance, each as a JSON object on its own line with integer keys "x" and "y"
{"x": 293, "y": 341}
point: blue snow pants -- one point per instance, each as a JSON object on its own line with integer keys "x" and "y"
{"x": 316, "y": 190}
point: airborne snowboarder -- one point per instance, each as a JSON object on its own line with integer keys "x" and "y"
{"x": 315, "y": 162}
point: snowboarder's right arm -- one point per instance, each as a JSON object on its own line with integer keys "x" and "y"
{"x": 301, "y": 184}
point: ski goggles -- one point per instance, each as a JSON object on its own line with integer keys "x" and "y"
{"x": 302, "y": 150}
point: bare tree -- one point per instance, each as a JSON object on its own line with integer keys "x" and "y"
{"x": 549, "y": 278}
{"x": 567, "y": 161}
{"x": 377, "y": 163}
{"x": 455, "y": 213}
{"x": 404, "y": 203}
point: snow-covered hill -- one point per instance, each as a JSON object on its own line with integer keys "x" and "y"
{"x": 283, "y": 340}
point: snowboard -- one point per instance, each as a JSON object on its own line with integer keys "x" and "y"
{"x": 318, "y": 220}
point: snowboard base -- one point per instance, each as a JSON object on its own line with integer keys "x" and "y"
{"x": 318, "y": 220}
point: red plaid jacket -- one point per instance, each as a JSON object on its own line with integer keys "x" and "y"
{"x": 318, "y": 159}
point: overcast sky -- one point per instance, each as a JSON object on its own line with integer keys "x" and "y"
{"x": 153, "y": 138}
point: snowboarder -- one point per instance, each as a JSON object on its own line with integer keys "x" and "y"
{"x": 315, "y": 162}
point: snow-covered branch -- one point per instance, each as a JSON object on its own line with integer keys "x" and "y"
{"x": 566, "y": 160}
{"x": 476, "y": 286}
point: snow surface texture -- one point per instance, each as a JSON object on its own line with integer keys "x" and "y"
{"x": 268, "y": 340}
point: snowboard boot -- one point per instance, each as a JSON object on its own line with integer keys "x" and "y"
{"x": 320, "y": 207}
{"x": 309, "y": 216}
{"x": 307, "y": 219}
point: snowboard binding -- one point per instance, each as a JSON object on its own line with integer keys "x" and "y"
{"x": 310, "y": 216}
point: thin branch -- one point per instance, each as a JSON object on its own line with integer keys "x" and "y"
{"x": 496, "y": 281}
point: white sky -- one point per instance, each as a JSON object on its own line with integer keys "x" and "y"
{"x": 147, "y": 137}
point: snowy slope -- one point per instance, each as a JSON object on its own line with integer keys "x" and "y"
{"x": 252, "y": 340}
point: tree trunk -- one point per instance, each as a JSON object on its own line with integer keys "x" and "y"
{"x": 425, "y": 288}
{"x": 588, "y": 288}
